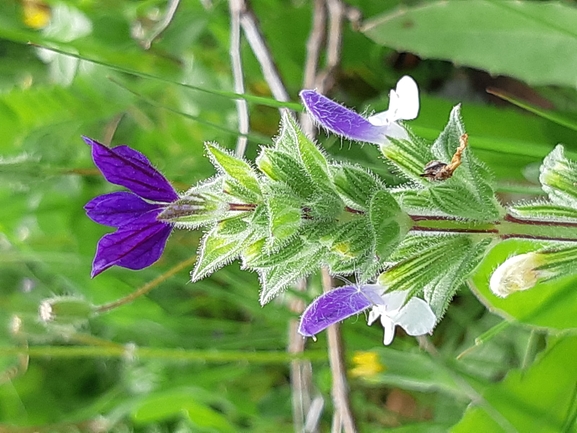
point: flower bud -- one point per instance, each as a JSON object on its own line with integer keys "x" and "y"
{"x": 518, "y": 273}
{"x": 65, "y": 310}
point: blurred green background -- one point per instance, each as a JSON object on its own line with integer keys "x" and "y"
{"x": 206, "y": 357}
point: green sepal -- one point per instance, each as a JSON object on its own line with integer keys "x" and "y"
{"x": 559, "y": 178}
{"x": 282, "y": 167}
{"x": 409, "y": 156}
{"x": 353, "y": 239}
{"x": 389, "y": 223}
{"x": 312, "y": 158}
{"x": 222, "y": 245}
{"x": 201, "y": 205}
{"x": 275, "y": 279}
{"x": 434, "y": 265}
{"x": 241, "y": 180}
{"x": 541, "y": 210}
{"x": 287, "y": 139}
{"x": 356, "y": 185}
{"x": 471, "y": 180}
{"x": 284, "y": 214}
{"x": 257, "y": 255}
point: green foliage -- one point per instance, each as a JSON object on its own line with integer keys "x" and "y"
{"x": 510, "y": 38}
{"x": 299, "y": 222}
{"x": 206, "y": 356}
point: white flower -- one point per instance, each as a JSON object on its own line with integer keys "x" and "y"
{"x": 517, "y": 273}
{"x": 415, "y": 316}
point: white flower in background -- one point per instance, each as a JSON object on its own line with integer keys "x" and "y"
{"x": 517, "y": 273}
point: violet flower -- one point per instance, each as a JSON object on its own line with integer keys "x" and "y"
{"x": 414, "y": 316}
{"x": 140, "y": 237}
{"x": 403, "y": 105}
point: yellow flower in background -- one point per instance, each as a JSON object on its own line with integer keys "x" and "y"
{"x": 366, "y": 365}
{"x": 36, "y": 13}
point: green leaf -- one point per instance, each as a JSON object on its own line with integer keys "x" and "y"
{"x": 287, "y": 140}
{"x": 284, "y": 213}
{"x": 167, "y": 405}
{"x": 409, "y": 156}
{"x": 435, "y": 266}
{"x": 389, "y": 223}
{"x": 259, "y": 256}
{"x": 277, "y": 278}
{"x": 541, "y": 398}
{"x": 543, "y": 211}
{"x": 559, "y": 178}
{"x": 416, "y": 371}
{"x": 553, "y": 116}
{"x": 353, "y": 239}
{"x": 221, "y": 245}
{"x": 282, "y": 167}
{"x": 548, "y": 304}
{"x": 356, "y": 185}
{"x": 242, "y": 181}
{"x": 312, "y": 158}
{"x": 508, "y": 38}
{"x": 468, "y": 193}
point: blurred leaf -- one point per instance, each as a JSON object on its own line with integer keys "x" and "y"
{"x": 530, "y": 400}
{"x": 510, "y": 38}
{"x": 163, "y": 406}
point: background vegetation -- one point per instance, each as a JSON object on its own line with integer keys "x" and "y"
{"x": 206, "y": 357}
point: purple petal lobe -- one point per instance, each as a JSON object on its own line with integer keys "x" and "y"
{"x": 133, "y": 246}
{"x": 117, "y": 209}
{"x": 341, "y": 120}
{"x": 131, "y": 169}
{"x": 332, "y": 307}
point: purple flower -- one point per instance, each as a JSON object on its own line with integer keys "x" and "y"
{"x": 140, "y": 237}
{"x": 414, "y": 316}
{"x": 403, "y": 105}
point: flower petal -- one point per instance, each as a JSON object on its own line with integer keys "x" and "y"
{"x": 416, "y": 317}
{"x": 404, "y": 100}
{"x": 332, "y": 307}
{"x": 341, "y": 120}
{"x": 129, "y": 168}
{"x": 133, "y": 246}
{"x": 389, "y": 329}
{"x": 394, "y": 300}
{"x": 117, "y": 209}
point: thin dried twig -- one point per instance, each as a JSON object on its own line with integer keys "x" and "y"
{"x": 162, "y": 25}
{"x": 336, "y": 10}
{"x": 238, "y": 76}
{"x": 250, "y": 26}
{"x": 314, "y": 47}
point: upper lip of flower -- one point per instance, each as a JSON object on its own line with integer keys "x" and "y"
{"x": 403, "y": 105}
{"x": 140, "y": 237}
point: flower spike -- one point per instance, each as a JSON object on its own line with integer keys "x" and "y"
{"x": 403, "y": 105}
{"x": 140, "y": 237}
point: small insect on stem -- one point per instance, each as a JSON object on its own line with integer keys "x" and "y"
{"x": 438, "y": 170}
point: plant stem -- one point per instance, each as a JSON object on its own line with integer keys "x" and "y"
{"x": 146, "y": 288}
{"x": 509, "y": 227}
